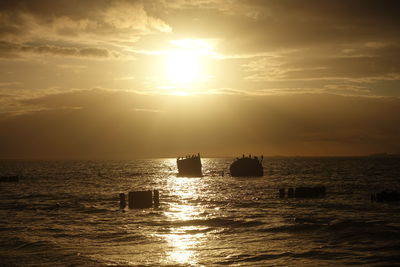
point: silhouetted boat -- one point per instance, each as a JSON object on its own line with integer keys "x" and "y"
{"x": 247, "y": 166}
{"x": 189, "y": 166}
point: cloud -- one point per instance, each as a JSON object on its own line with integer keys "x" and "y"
{"x": 259, "y": 26}
{"x": 312, "y": 41}
{"x": 14, "y": 50}
{"x": 243, "y": 27}
{"x": 85, "y": 23}
{"x": 363, "y": 63}
{"x": 9, "y": 84}
{"x": 258, "y": 44}
{"x": 125, "y": 15}
{"x": 112, "y": 124}
{"x": 67, "y": 51}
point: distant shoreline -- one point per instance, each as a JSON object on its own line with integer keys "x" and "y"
{"x": 375, "y": 155}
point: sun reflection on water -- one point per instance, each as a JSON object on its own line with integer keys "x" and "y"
{"x": 184, "y": 237}
{"x": 183, "y": 245}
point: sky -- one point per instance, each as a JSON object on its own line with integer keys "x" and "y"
{"x": 120, "y": 79}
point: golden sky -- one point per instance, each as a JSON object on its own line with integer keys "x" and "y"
{"x": 128, "y": 79}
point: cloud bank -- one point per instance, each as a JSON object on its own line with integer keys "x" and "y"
{"x": 109, "y": 124}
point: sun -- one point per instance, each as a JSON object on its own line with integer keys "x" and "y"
{"x": 186, "y": 62}
{"x": 183, "y": 67}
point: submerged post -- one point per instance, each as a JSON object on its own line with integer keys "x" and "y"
{"x": 156, "y": 198}
{"x": 9, "y": 179}
{"x": 122, "y": 201}
{"x": 140, "y": 199}
{"x": 282, "y": 193}
{"x": 290, "y": 193}
{"x": 131, "y": 200}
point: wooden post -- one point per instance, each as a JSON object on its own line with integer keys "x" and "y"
{"x": 140, "y": 199}
{"x": 373, "y": 197}
{"x": 131, "y": 200}
{"x": 290, "y": 193}
{"x": 282, "y": 193}
{"x": 122, "y": 201}
{"x": 156, "y": 198}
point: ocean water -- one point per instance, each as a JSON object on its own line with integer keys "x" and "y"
{"x": 66, "y": 213}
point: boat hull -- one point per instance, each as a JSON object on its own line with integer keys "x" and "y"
{"x": 246, "y": 167}
{"x": 189, "y": 166}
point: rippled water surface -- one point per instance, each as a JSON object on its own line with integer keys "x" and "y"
{"x": 66, "y": 213}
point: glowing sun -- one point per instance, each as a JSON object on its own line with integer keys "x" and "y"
{"x": 183, "y": 67}
{"x": 185, "y": 64}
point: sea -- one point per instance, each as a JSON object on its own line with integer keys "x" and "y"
{"x": 67, "y": 213}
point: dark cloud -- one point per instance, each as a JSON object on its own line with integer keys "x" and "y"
{"x": 361, "y": 63}
{"x": 48, "y": 8}
{"x": 23, "y": 20}
{"x": 257, "y": 26}
{"x": 106, "y": 124}
{"x": 267, "y": 54}
{"x": 68, "y": 51}
{"x": 244, "y": 26}
{"x": 94, "y": 98}
{"x": 8, "y": 49}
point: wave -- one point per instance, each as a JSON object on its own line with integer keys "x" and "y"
{"x": 209, "y": 224}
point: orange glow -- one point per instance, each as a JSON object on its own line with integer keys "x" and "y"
{"x": 185, "y": 65}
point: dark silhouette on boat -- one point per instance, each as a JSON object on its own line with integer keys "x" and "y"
{"x": 247, "y": 166}
{"x": 189, "y": 166}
